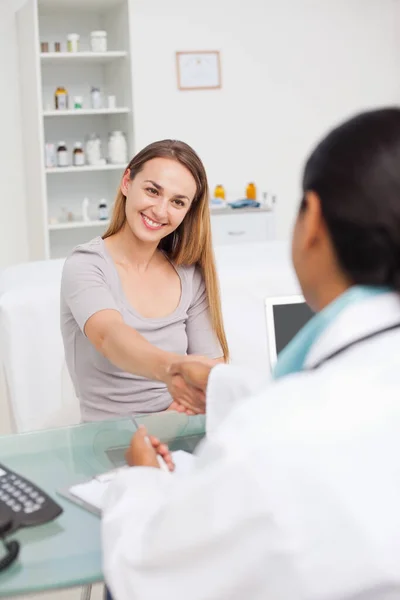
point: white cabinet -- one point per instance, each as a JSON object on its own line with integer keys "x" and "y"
{"x": 55, "y": 195}
{"x": 240, "y": 226}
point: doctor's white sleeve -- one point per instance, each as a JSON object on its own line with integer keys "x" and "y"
{"x": 202, "y": 536}
{"x": 229, "y": 386}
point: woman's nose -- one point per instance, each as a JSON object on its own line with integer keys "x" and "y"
{"x": 160, "y": 209}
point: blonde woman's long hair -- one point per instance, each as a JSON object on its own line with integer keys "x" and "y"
{"x": 190, "y": 243}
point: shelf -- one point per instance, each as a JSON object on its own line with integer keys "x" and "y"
{"x": 82, "y": 112}
{"x": 88, "y": 5}
{"x": 81, "y": 57}
{"x": 85, "y": 169}
{"x": 77, "y": 225}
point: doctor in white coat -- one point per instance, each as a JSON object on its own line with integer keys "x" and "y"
{"x": 296, "y": 491}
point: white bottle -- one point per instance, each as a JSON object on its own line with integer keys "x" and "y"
{"x": 117, "y": 148}
{"x": 62, "y": 154}
{"x": 85, "y": 210}
{"x": 98, "y": 41}
{"x": 95, "y": 97}
{"x": 73, "y": 42}
{"x": 93, "y": 150}
{"x": 50, "y": 155}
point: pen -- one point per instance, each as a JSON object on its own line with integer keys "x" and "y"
{"x": 162, "y": 464}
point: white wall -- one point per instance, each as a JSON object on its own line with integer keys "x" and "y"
{"x": 13, "y": 226}
{"x": 290, "y": 68}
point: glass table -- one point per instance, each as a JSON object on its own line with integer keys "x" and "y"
{"x": 66, "y": 552}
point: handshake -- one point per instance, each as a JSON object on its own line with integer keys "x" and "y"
{"x": 186, "y": 381}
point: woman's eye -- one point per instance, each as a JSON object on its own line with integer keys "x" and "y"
{"x": 179, "y": 202}
{"x": 152, "y": 191}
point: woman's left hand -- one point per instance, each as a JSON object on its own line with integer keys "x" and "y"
{"x": 141, "y": 453}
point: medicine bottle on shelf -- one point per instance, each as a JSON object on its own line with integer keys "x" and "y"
{"x": 219, "y": 192}
{"x": 62, "y": 154}
{"x": 251, "y": 192}
{"x": 61, "y": 98}
{"x": 78, "y": 155}
{"x": 103, "y": 210}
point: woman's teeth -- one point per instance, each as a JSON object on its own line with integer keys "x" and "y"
{"x": 151, "y": 223}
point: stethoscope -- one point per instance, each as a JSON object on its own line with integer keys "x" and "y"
{"x": 365, "y": 338}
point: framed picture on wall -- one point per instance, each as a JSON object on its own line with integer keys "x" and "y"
{"x": 198, "y": 70}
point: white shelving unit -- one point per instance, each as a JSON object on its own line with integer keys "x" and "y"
{"x": 86, "y": 112}
{"x": 78, "y": 224}
{"x": 84, "y": 169}
{"x": 52, "y": 199}
{"x": 57, "y": 58}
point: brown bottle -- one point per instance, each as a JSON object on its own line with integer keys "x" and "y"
{"x": 78, "y": 155}
{"x": 62, "y": 154}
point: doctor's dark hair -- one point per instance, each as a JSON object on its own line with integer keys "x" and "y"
{"x": 355, "y": 170}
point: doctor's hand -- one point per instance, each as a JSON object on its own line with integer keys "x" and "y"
{"x": 143, "y": 451}
{"x": 191, "y": 378}
{"x": 186, "y": 399}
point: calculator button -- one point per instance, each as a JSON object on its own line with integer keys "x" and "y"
{"x": 34, "y": 494}
{"x": 2, "y": 472}
{"x": 40, "y": 500}
{"x": 28, "y": 489}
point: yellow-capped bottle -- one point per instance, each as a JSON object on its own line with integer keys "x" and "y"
{"x": 251, "y": 192}
{"x": 219, "y": 192}
{"x": 61, "y": 98}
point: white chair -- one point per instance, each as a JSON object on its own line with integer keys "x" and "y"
{"x": 38, "y": 389}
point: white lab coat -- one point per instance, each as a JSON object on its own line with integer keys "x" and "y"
{"x": 296, "y": 494}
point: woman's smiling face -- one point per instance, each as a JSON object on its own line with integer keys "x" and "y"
{"x": 158, "y": 198}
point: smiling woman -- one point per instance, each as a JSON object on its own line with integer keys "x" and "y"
{"x": 146, "y": 293}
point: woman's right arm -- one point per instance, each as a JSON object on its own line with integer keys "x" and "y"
{"x": 87, "y": 297}
{"x": 126, "y": 348}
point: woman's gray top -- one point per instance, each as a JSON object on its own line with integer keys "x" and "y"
{"x": 90, "y": 283}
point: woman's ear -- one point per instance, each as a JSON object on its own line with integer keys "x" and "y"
{"x": 125, "y": 182}
{"x": 313, "y": 223}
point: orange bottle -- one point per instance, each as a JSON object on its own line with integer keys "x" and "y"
{"x": 251, "y": 192}
{"x": 219, "y": 192}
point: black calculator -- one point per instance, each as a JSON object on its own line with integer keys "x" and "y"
{"x": 23, "y": 503}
